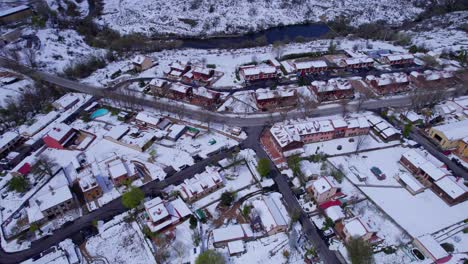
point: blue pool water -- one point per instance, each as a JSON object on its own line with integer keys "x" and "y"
{"x": 99, "y": 112}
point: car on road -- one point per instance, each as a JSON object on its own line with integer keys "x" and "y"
{"x": 378, "y": 173}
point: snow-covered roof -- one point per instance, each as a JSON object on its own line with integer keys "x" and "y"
{"x": 264, "y": 94}
{"x": 414, "y": 157}
{"x": 117, "y": 168}
{"x": 156, "y": 209}
{"x": 232, "y": 232}
{"x": 254, "y": 70}
{"x": 432, "y": 171}
{"x": 275, "y": 62}
{"x": 13, "y": 10}
{"x": 147, "y": 118}
{"x": 324, "y": 184}
{"x": 335, "y": 84}
{"x": 118, "y": 131}
{"x": 66, "y": 100}
{"x": 335, "y": 213}
{"x": 355, "y": 227}
{"x": 88, "y": 182}
{"x": 411, "y": 182}
{"x": 7, "y": 137}
{"x": 310, "y": 64}
{"x": 357, "y": 60}
{"x": 199, "y": 182}
{"x": 41, "y": 122}
{"x": 59, "y": 131}
{"x": 462, "y": 101}
{"x": 339, "y": 123}
{"x": 397, "y": 57}
{"x": 157, "y": 82}
{"x": 175, "y": 130}
{"x": 203, "y": 92}
{"x": 182, "y": 88}
{"x": 54, "y": 197}
{"x": 201, "y": 70}
{"x": 270, "y": 213}
{"x": 454, "y": 131}
{"x": 139, "y": 59}
{"x": 389, "y": 78}
{"x": 235, "y": 247}
{"x": 430, "y": 75}
{"x": 432, "y": 246}
{"x": 180, "y": 208}
{"x": 451, "y": 187}
{"x": 178, "y": 65}
{"x": 284, "y": 136}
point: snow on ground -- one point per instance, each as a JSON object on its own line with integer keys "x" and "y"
{"x": 362, "y": 163}
{"x": 81, "y": 6}
{"x": 169, "y": 156}
{"x": 348, "y": 145}
{"x": 424, "y": 213}
{"x": 12, "y": 91}
{"x": 442, "y": 33}
{"x": 211, "y": 17}
{"x": 120, "y": 243}
{"x": 380, "y": 223}
{"x": 240, "y": 102}
{"x": 267, "y": 250}
{"x": 181, "y": 249}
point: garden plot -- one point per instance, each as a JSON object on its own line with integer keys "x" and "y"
{"x": 385, "y": 159}
{"x": 348, "y": 145}
{"x": 379, "y": 222}
{"x": 121, "y": 243}
{"x": 205, "y": 143}
{"x": 171, "y": 156}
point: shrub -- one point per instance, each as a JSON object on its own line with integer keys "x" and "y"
{"x": 263, "y": 167}
{"x": 227, "y": 198}
{"x": 18, "y": 184}
{"x": 85, "y": 67}
{"x": 448, "y": 247}
{"x": 131, "y": 199}
{"x": 193, "y": 222}
{"x": 210, "y": 257}
{"x": 359, "y": 251}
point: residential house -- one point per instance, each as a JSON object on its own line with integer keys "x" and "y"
{"x": 142, "y": 63}
{"x": 356, "y": 63}
{"x": 335, "y": 213}
{"x": 8, "y": 141}
{"x": 383, "y": 129}
{"x": 15, "y": 14}
{"x": 307, "y": 67}
{"x": 199, "y": 75}
{"x": 158, "y": 86}
{"x": 90, "y": 188}
{"x": 323, "y": 189}
{"x": 162, "y": 214}
{"x": 432, "y": 249}
{"x": 452, "y": 190}
{"x": 59, "y": 136}
{"x": 355, "y": 228}
{"x": 273, "y": 215}
{"x": 333, "y": 89}
{"x": 258, "y": 72}
{"x": 204, "y": 97}
{"x": 178, "y": 91}
{"x": 40, "y": 123}
{"x": 410, "y": 183}
{"x": 397, "y": 59}
{"x": 176, "y": 131}
{"x": 238, "y": 232}
{"x": 177, "y": 69}
{"x": 120, "y": 172}
{"x": 449, "y": 135}
{"x": 389, "y": 83}
{"x": 267, "y": 99}
{"x": 66, "y": 102}
{"x": 146, "y": 119}
{"x": 200, "y": 185}
{"x": 56, "y": 201}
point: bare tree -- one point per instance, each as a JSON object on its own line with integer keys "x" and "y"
{"x": 360, "y": 101}
{"x": 45, "y": 165}
{"x": 278, "y": 49}
{"x": 30, "y": 56}
{"x": 361, "y": 142}
{"x": 344, "y": 107}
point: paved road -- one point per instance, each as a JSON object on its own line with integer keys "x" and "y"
{"x": 104, "y": 213}
{"x": 325, "y": 254}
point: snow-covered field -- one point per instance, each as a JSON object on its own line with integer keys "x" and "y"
{"x": 200, "y": 17}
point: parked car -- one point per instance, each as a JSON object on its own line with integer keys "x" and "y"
{"x": 378, "y": 173}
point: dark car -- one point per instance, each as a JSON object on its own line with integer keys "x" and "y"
{"x": 378, "y": 173}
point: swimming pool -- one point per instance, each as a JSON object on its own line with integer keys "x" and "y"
{"x": 99, "y": 112}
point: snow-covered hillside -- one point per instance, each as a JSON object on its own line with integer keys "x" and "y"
{"x": 198, "y": 17}
{"x": 442, "y": 33}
